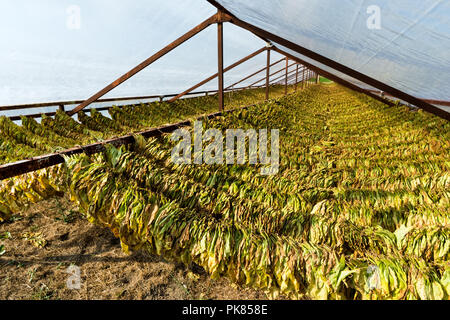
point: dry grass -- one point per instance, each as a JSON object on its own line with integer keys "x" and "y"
{"x": 37, "y": 269}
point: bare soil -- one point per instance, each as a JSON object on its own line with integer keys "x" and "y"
{"x": 50, "y": 236}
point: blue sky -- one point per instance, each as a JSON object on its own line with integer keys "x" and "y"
{"x": 43, "y": 60}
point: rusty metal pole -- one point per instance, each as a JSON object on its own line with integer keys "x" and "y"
{"x": 217, "y": 74}
{"x": 213, "y": 19}
{"x": 286, "y": 76}
{"x": 253, "y": 74}
{"x": 280, "y": 78}
{"x": 303, "y": 78}
{"x": 306, "y": 77}
{"x": 296, "y": 78}
{"x": 267, "y": 73}
{"x": 276, "y": 72}
{"x": 220, "y": 62}
{"x": 268, "y": 36}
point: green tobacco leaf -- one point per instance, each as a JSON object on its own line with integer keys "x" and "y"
{"x": 5, "y": 235}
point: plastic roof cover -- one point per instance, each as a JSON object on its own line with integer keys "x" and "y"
{"x": 402, "y": 43}
{"x": 42, "y": 59}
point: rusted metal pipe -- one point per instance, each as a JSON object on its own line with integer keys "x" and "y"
{"x": 216, "y": 74}
{"x": 253, "y": 74}
{"x": 333, "y": 64}
{"x": 10, "y": 170}
{"x": 267, "y": 74}
{"x": 220, "y": 63}
{"x": 282, "y": 76}
{"x": 291, "y": 79}
{"x": 431, "y": 101}
{"x": 286, "y": 76}
{"x": 276, "y": 72}
{"x": 211, "y": 20}
{"x": 39, "y": 115}
{"x": 335, "y": 78}
{"x": 303, "y": 78}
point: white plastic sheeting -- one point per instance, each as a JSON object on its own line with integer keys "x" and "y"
{"x": 402, "y": 43}
{"x": 53, "y": 50}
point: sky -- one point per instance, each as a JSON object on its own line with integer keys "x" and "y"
{"x": 48, "y": 54}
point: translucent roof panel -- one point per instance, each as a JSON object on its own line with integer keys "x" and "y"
{"x": 404, "y": 43}
{"x": 325, "y": 68}
{"x": 68, "y": 50}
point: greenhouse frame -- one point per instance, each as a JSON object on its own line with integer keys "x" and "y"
{"x": 359, "y": 209}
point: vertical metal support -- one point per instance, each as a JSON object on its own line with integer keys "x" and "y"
{"x": 296, "y": 77}
{"x": 267, "y": 73}
{"x": 213, "y": 19}
{"x": 306, "y": 78}
{"x": 217, "y": 74}
{"x": 220, "y": 62}
{"x": 286, "y": 76}
{"x": 303, "y": 78}
{"x": 317, "y": 78}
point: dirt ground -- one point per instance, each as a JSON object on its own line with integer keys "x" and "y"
{"x": 48, "y": 238}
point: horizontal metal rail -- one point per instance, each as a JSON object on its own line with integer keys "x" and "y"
{"x": 254, "y": 73}
{"x": 431, "y": 101}
{"x": 62, "y": 103}
{"x": 293, "y": 77}
{"x": 248, "y": 57}
{"x": 13, "y": 169}
{"x": 17, "y": 168}
{"x": 70, "y": 102}
{"x": 188, "y": 35}
{"x": 266, "y": 35}
{"x": 277, "y": 79}
{"x": 274, "y": 73}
